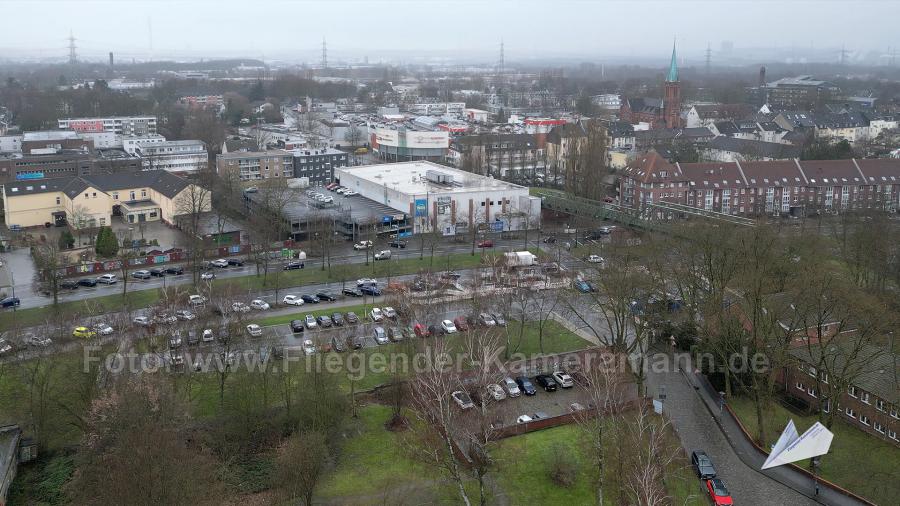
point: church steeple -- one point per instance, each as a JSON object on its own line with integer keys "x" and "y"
{"x": 673, "y": 68}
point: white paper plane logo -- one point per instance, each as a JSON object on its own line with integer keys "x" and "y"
{"x": 791, "y": 447}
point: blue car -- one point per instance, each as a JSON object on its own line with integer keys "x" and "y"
{"x": 9, "y": 302}
{"x": 370, "y": 290}
{"x": 525, "y": 385}
{"x": 582, "y": 286}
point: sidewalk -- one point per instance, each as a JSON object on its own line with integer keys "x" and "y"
{"x": 752, "y": 457}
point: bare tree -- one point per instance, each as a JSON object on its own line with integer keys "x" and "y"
{"x": 301, "y": 464}
{"x": 49, "y": 261}
{"x": 191, "y": 208}
{"x": 354, "y": 135}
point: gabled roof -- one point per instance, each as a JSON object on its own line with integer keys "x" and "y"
{"x": 645, "y": 105}
{"x": 650, "y": 167}
{"x": 567, "y": 131}
{"x": 878, "y": 374}
{"x": 162, "y": 181}
{"x": 752, "y": 148}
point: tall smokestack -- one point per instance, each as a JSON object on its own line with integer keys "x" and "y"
{"x": 762, "y": 75}
{"x": 110, "y": 59}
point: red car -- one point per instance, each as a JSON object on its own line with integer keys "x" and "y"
{"x": 717, "y": 492}
{"x": 421, "y": 330}
{"x": 461, "y": 324}
{"x": 487, "y": 243}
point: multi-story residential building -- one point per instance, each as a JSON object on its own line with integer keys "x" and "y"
{"x": 777, "y": 187}
{"x": 18, "y": 167}
{"x": 130, "y": 144}
{"x": 45, "y": 142}
{"x": 802, "y": 91}
{"x": 120, "y": 125}
{"x": 187, "y": 156}
{"x": 318, "y": 164}
{"x": 438, "y": 109}
{"x": 203, "y": 101}
{"x": 869, "y": 400}
{"x": 255, "y": 165}
{"x": 496, "y": 154}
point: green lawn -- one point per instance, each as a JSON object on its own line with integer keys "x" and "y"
{"x": 858, "y": 462}
{"x": 98, "y": 305}
{"x": 523, "y": 463}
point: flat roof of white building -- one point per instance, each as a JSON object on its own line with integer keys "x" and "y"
{"x": 410, "y": 178}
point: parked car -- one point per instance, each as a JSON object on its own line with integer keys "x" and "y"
{"x": 448, "y": 327}
{"x": 197, "y": 300}
{"x": 351, "y": 318}
{"x": 525, "y": 385}
{"x": 337, "y": 319}
{"x": 357, "y": 342}
{"x": 240, "y": 307}
{"x": 292, "y": 300}
{"x": 10, "y": 302}
{"x": 308, "y": 347}
{"x": 376, "y": 315}
{"x": 165, "y": 318}
{"x": 193, "y": 339}
{"x": 175, "y": 270}
{"x": 383, "y": 255}
{"x": 421, "y": 330}
{"x": 159, "y": 273}
{"x": 576, "y": 407}
{"x": 297, "y": 326}
{"x": 499, "y": 319}
{"x": 325, "y": 296}
{"x": 370, "y": 290}
{"x": 107, "y": 279}
{"x": 496, "y": 392}
{"x": 361, "y": 245}
{"x": 352, "y": 292}
{"x": 184, "y": 315}
{"x": 523, "y": 419}
{"x": 435, "y": 330}
{"x": 208, "y": 336}
{"x": 176, "y": 357}
{"x": 595, "y": 259}
{"x": 236, "y": 262}
{"x": 254, "y": 330}
{"x": 89, "y": 282}
{"x": 5, "y": 347}
{"x": 310, "y": 321}
{"x": 582, "y": 286}
{"x": 324, "y": 321}
{"x": 512, "y": 388}
{"x": 380, "y": 336}
{"x": 389, "y": 312}
{"x": 366, "y": 282}
{"x": 718, "y": 493}
{"x": 337, "y": 344}
{"x": 549, "y": 239}
{"x": 293, "y": 266}
{"x": 451, "y": 275}
{"x": 103, "y": 329}
{"x": 563, "y": 379}
{"x": 68, "y": 284}
{"x": 487, "y": 243}
{"x": 83, "y": 332}
{"x": 395, "y": 334}
{"x": 259, "y": 304}
{"x": 220, "y": 263}
{"x": 703, "y": 465}
{"x": 396, "y": 243}
{"x": 141, "y": 321}
{"x": 175, "y": 340}
{"x": 461, "y": 324}
{"x": 546, "y": 382}
{"x": 350, "y": 194}
{"x": 463, "y": 399}
{"x": 487, "y": 320}
{"x": 309, "y": 299}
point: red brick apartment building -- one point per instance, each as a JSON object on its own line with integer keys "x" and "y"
{"x": 776, "y": 187}
{"x": 870, "y": 403}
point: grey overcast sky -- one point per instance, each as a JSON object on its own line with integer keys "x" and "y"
{"x": 451, "y": 28}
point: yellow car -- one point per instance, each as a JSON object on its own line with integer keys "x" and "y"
{"x": 83, "y": 332}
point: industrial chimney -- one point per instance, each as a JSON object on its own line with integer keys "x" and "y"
{"x": 762, "y": 75}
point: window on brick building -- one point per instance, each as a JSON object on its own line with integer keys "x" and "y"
{"x": 878, "y": 427}
{"x": 864, "y": 396}
{"x": 801, "y": 386}
{"x": 863, "y": 419}
{"x": 851, "y": 413}
{"x": 853, "y": 392}
{"x": 879, "y": 404}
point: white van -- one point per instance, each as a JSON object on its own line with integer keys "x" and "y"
{"x": 107, "y": 279}
{"x": 383, "y": 255}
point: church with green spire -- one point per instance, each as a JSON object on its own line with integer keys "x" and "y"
{"x": 672, "y": 95}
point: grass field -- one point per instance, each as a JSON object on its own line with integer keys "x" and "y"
{"x": 858, "y": 462}
{"x": 25, "y": 317}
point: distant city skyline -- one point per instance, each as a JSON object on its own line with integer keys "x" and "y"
{"x": 461, "y": 30}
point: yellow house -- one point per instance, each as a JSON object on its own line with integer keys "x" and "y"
{"x": 92, "y": 201}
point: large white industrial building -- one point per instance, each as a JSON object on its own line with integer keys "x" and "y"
{"x": 444, "y": 199}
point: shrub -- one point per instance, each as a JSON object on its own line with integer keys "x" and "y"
{"x": 561, "y": 465}
{"x": 106, "y": 244}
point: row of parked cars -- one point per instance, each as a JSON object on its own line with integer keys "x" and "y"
{"x": 511, "y": 388}
{"x": 712, "y": 484}
{"x": 340, "y": 190}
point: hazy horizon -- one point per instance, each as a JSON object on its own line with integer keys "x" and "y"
{"x": 457, "y": 30}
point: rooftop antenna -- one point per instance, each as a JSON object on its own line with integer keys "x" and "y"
{"x": 150, "y": 35}
{"x": 501, "y": 57}
{"x": 843, "y": 55}
{"x": 324, "y": 54}
{"x": 708, "y": 57}
{"x": 73, "y": 58}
